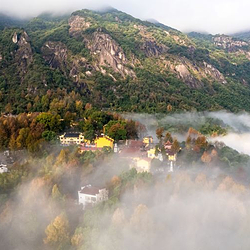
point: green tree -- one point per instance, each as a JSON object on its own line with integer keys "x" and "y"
{"x": 49, "y": 135}
{"x": 116, "y": 130}
{"x": 51, "y": 122}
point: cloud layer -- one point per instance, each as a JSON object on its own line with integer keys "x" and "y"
{"x": 215, "y": 16}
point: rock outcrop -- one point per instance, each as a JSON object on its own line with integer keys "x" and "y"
{"x": 55, "y": 54}
{"x": 151, "y": 48}
{"x": 187, "y": 77}
{"x": 214, "y": 73}
{"x": 108, "y": 53}
{"x": 229, "y": 43}
{"x": 77, "y": 25}
{"x": 24, "y": 54}
{"x": 192, "y": 74}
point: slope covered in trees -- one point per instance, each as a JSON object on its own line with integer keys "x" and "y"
{"x": 115, "y": 61}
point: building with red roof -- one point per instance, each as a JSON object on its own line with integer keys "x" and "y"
{"x": 89, "y": 195}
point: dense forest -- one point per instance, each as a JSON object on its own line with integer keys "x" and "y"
{"x": 118, "y": 62}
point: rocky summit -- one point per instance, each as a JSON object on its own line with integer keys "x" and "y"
{"x": 115, "y": 61}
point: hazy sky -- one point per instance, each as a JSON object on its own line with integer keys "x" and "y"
{"x": 213, "y": 16}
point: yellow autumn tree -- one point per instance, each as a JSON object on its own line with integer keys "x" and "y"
{"x": 206, "y": 158}
{"x": 57, "y": 232}
{"x": 77, "y": 238}
{"x": 118, "y": 218}
{"x": 176, "y": 146}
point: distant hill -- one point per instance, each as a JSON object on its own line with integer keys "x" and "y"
{"x": 115, "y": 61}
{"x": 7, "y": 21}
{"x": 243, "y": 35}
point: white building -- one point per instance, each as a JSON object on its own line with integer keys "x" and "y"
{"x": 141, "y": 164}
{"x": 89, "y": 195}
{"x": 72, "y": 138}
{"x": 3, "y": 168}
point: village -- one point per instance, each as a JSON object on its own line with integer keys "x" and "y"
{"x": 139, "y": 153}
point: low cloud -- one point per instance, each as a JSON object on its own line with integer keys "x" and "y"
{"x": 221, "y": 16}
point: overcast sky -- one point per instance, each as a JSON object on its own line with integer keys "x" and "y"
{"x": 213, "y": 16}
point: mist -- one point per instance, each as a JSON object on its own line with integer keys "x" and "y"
{"x": 188, "y": 211}
{"x": 238, "y": 126}
{"x": 198, "y": 206}
{"x": 221, "y": 16}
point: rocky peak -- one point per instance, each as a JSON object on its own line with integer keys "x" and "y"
{"x": 109, "y": 53}
{"x": 229, "y": 43}
{"x": 24, "y": 54}
{"x": 77, "y": 25}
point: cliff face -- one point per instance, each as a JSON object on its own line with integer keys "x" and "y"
{"x": 108, "y": 53}
{"x": 151, "y": 48}
{"x": 24, "y": 54}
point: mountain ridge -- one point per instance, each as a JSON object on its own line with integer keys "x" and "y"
{"x": 115, "y": 61}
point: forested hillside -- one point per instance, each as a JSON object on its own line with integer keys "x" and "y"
{"x": 117, "y": 62}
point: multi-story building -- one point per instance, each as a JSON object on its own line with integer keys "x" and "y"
{"x": 72, "y": 138}
{"x": 89, "y": 195}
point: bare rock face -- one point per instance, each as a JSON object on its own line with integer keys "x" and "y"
{"x": 24, "y": 54}
{"x": 109, "y": 53}
{"x": 77, "y": 25}
{"x": 192, "y": 74}
{"x": 214, "y": 73}
{"x": 151, "y": 48}
{"x": 187, "y": 77}
{"x": 228, "y": 43}
{"x": 14, "y": 38}
{"x": 55, "y": 53}
{"x": 78, "y": 66}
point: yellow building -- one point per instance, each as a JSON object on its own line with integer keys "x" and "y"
{"x": 172, "y": 157}
{"x": 72, "y": 138}
{"x": 151, "y": 153}
{"x": 104, "y": 141}
{"x": 148, "y": 140}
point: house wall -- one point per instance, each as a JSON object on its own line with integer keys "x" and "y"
{"x": 71, "y": 140}
{"x": 151, "y": 153}
{"x": 141, "y": 165}
{"x": 104, "y": 142}
{"x": 86, "y": 199}
{"x": 3, "y": 170}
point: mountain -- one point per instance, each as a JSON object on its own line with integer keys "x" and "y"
{"x": 7, "y": 21}
{"x": 242, "y": 35}
{"x": 112, "y": 60}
